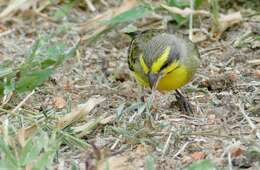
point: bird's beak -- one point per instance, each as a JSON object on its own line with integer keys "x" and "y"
{"x": 153, "y": 80}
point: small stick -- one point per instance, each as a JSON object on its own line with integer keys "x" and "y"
{"x": 90, "y": 5}
{"x": 251, "y": 124}
{"x": 6, "y": 32}
{"x": 181, "y": 150}
{"x": 104, "y": 3}
{"x": 229, "y": 161}
{"x": 167, "y": 143}
{"x": 133, "y": 117}
{"x": 7, "y": 111}
{"x": 186, "y": 11}
{"x": 254, "y": 62}
{"x": 115, "y": 144}
{"x": 23, "y": 101}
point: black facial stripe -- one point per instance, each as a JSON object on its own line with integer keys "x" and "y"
{"x": 174, "y": 69}
{"x": 166, "y": 64}
{"x": 173, "y": 56}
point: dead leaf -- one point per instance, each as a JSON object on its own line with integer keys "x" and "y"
{"x": 186, "y": 159}
{"x": 68, "y": 86}
{"x": 15, "y": 5}
{"x": 256, "y": 119}
{"x": 24, "y": 133}
{"x": 211, "y": 118}
{"x": 255, "y": 27}
{"x": 149, "y": 124}
{"x": 84, "y": 109}
{"x": 2, "y": 28}
{"x": 255, "y": 44}
{"x": 255, "y": 62}
{"x": 108, "y": 119}
{"x": 257, "y": 73}
{"x": 220, "y": 81}
{"x": 59, "y": 102}
{"x": 142, "y": 150}
{"x": 93, "y": 23}
{"x": 198, "y": 155}
{"x": 198, "y": 37}
{"x": 87, "y": 128}
{"x": 232, "y": 76}
{"x": 21, "y": 136}
{"x": 237, "y": 151}
{"x": 29, "y": 167}
{"x": 225, "y": 22}
{"x": 93, "y": 26}
{"x": 90, "y": 5}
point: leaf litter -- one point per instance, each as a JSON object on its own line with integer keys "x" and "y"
{"x": 225, "y": 92}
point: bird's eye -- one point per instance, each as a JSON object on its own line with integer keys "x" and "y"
{"x": 166, "y": 64}
{"x": 169, "y": 67}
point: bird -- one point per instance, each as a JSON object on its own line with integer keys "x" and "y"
{"x": 163, "y": 61}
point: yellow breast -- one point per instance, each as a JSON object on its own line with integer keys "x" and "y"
{"x": 174, "y": 80}
{"x": 171, "y": 81}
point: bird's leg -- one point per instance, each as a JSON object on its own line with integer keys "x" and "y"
{"x": 183, "y": 102}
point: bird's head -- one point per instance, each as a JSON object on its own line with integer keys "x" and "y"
{"x": 157, "y": 63}
{"x": 153, "y": 57}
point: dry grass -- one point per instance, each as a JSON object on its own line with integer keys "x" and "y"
{"x": 114, "y": 127}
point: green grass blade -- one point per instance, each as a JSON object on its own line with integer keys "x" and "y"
{"x": 202, "y": 165}
{"x": 29, "y": 81}
{"x": 7, "y": 155}
{"x": 130, "y": 15}
{"x": 45, "y": 160}
{"x": 149, "y": 162}
{"x": 31, "y": 150}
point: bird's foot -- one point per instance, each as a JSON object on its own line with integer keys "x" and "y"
{"x": 184, "y": 104}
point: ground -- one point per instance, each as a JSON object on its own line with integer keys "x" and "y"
{"x": 120, "y": 130}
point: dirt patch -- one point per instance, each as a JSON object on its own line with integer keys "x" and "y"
{"x": 225, "y": 89}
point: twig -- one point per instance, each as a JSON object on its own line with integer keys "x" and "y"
{"x": 206, "y": 51}
{"x": 240, "y": 40}
{"x": 254, "y": 62}
{"x": 228, "y": 150}
{"x": 252, "y": 83}
{"x": 251, "y": 124}
{"x": 61, "y": 164}
{"x": 90, "y": 5}
{"x": 44, "y": 16}
{"x": 104, "y": 3}
{"x": 181, "y": 150}
{"x": 229, "y": 161}
{"x": 186, "y": 11}
{"x": 167, "y": 143}
{"x": 7, "y": 111}
{"x": 209, "y": 134}
{"x": 6, "y": 98}
{"x": 23, "y": 101}
{"x": 132, "y": 117}
{"x": 116, "y": 143}
{"x": 6, "y": 32}
{"x": 43, "y": 6}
